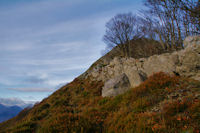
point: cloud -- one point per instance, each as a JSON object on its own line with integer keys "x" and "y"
{"x": 15, "y": 47}
{"x": 46, "y": 44}
{"x": 32, "y": 89}
{"x": 15, "y": 101}
{"x": 41, "y": 82}
{"x": 37, "y": 7}
{"x": 37, "y": 78}
{"x": 58, "y": 82}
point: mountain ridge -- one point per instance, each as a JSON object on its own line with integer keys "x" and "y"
{"x": 7, "y": 112}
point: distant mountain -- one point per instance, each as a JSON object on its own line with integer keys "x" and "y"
{"x": 7, "y": 112}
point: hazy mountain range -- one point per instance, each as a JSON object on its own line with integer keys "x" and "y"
{"x": 7, "y": 112}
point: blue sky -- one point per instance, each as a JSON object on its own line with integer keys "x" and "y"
{"x": 45, "y": 44}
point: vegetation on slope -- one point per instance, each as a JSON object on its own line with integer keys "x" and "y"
{"x": 162, "y": 103}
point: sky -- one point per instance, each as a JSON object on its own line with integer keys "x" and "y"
{"x": 45, "y": 44}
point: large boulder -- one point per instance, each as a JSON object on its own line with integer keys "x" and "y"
{"x": 116, "y": 86}
{"x": 189, "y": 58}
{"x": 191, "y": 42}
{"x": 135, "y": 77}
{"x": 165, "y": 63}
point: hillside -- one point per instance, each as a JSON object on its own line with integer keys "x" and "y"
{"x": 163, "y": 102}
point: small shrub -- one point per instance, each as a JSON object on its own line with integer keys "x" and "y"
{"x": 85, "y": 94}
{"x": 103, "y": 101}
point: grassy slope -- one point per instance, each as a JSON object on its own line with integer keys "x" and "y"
{"x": 160, "y": 104}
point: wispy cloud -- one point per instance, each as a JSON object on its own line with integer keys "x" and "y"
{"x": 45, "y": 44}
{"x": 37, "y": 79}
{"x": 15, "y": 101}
{"x": 32, "y": 89}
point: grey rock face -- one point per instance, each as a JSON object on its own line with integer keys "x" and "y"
{"x": 135, "y": 77}
{"x": 116, "y": 86}
{"x": 191, "y": 41}
{"x": 165, "y": 63}
{"x": 185, "y": 62}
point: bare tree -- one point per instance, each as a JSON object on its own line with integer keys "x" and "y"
{"x": 174, "y": 19}
{"x": 120, "y": 30}
{"x": 163, "y": 12}
{"x": 168, "y": 21}
{"x": 191, "y": 9}
{"x": 151, "y": 28}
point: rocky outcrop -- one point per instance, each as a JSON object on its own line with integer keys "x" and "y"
{"x": 139, "y": 48}
{"x": 116, "y": 86}
{"x": 185, "y": 62}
